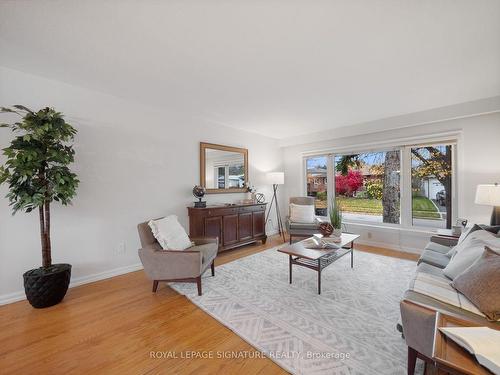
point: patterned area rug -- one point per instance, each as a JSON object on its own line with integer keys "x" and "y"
{"x": 348, "y": 329}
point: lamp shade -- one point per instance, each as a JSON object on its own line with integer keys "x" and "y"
{"x": 275, "y": 178}
{"x": 488, "y": 195}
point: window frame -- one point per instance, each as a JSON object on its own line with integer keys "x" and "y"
{"x": 329, "y": 175}
{"x": 406, "y": 210}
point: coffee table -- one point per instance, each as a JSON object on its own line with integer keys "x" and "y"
{"x": 316, "y": 259}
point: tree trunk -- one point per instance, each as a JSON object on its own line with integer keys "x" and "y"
{"x": 390, "y": 192}
{"x": 43, "y": 237}
{"x": 46, "y": 255}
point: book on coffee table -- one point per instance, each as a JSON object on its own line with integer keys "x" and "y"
{"x": 316, "y": 242}
{"x": 482, "y": 342}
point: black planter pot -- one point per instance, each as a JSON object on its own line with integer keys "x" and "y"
{"x": 46, "y": 287}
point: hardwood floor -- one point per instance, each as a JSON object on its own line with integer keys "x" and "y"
{"x": 114, "y": 325}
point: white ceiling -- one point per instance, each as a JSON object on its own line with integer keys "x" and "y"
{"x": 278, "y": 68}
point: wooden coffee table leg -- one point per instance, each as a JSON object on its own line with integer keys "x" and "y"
{"x": 290, "y": 267}
{"x": 319, "y": 276}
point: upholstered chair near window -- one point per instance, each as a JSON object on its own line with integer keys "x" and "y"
{"x": 176, "y": 265}
{"x": 308, "y": 223}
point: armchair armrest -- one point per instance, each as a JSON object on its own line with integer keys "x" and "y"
{"x": 169, "y": 264}
{"x": 204, "y": 240}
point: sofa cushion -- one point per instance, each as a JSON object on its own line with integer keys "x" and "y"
{"x": 437, "y": 247}
{"x": 494, "y": 229}
{"x": 468, "y": 231}
{"x": 480, "y": 283}
{"x": 439, "y": 287}
{"x": 170, "y": 234}
{"x": 302, "y": 213}
{"x": 310, "y": 226}
{"x": 434, "y": 258}
{"x": 477, "y": 234}
{"x": 431, "y": 270}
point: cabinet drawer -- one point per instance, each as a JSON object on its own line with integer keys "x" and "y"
{"x": 253, "y": 208}
{"x": 222, "y": 211}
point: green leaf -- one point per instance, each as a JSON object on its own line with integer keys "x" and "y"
{"x": 4, "y": 109}
{"x": 23, "y": 108}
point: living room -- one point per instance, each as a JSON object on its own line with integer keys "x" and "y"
{"x": 364, "y": 129}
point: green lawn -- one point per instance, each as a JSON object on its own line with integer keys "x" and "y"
{"x": 361, "y": 205}
{"x": 423, "y": 208}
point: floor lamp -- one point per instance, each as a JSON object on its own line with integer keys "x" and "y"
{"x": 275, "y": 179}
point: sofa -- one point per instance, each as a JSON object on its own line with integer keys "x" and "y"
{"x": 420, "y": 302}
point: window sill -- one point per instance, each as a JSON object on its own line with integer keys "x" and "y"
{"x": 396, "y": 227}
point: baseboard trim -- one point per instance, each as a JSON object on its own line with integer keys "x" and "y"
{"x": 389, "y": 246}
{"x": 77, "y": 281}
{"x": 19, "y": 295}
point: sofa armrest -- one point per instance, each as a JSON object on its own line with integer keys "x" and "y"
{"x": 287, "y": 223}
{"x": 169, "y": 264}
{"x": 321, "y": 219}
{"x": 204, "y": 240}
{"x": 418, "y": 326}
{"x": 445, "y": 241}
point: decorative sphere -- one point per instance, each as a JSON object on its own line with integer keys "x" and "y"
{"x": 199, "y": 191}
{"x": 326, "y": 229}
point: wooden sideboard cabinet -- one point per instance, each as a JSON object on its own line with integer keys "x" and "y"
{"x": 233, "y": 225}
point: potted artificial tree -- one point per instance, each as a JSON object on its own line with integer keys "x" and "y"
{"x": 36, "y": 172}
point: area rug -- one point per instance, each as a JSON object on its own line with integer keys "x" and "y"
{"x": 348, "y": 329}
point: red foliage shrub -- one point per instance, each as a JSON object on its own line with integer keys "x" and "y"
{"x": 349, "y": 184}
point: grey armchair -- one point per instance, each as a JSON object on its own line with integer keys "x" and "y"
{"x": 303, "y": 229}
{"x": 180, "y": 266}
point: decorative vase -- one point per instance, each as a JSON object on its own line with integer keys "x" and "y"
{"x": 337, "y": 232}
{"x": 46, "y": 287}
{"x": 326, "y": 229}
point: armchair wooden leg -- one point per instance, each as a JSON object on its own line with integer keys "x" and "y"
{"x": 198, "y": 282}
{"x": 212, "y": 266}
{"x": 290, "y": 239}
{"x": 412, "y": 360}
{"x": 155, "y": 285}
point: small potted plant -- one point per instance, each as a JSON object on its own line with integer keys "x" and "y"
{"x": 37, "y": 173}
{"x": 336, "y": 217}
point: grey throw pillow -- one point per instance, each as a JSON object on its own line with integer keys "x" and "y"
{"x": 480, "y": 283}
{"x": 495, "y": 229}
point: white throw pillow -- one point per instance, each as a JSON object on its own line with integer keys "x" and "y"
{"x": 464, "y": 235}
{"x": 469, "y": 251}
{"x": 300, "y": 213}
{"x": 464, "y": 259}
{"x": 170, "y": 234}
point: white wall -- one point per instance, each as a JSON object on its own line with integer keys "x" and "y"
{"x": 478, "y": 153}
{"x": 134, "y": 163}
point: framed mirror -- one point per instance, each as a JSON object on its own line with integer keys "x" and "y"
{"x": 223, "y": 169}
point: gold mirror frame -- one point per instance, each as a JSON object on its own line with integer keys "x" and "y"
{"x": 203, "y": 147}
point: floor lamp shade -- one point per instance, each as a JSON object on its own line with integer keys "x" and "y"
{"x": 275, "y": 178}
{"x": 489, "y": 195}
